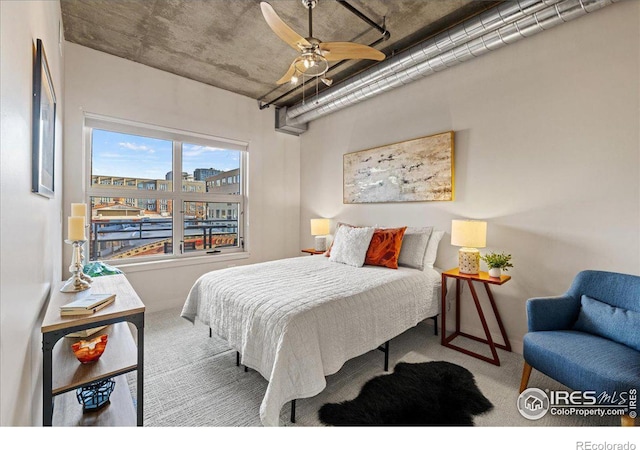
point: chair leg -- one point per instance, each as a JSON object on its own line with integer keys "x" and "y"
{"x": 526, "y": 373}
{"x": 627, "y": 421}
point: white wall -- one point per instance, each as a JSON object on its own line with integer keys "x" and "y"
{"x": 30, "y": 235}
{"x": 103, "y": 84}
{"x": 546, "y": 150}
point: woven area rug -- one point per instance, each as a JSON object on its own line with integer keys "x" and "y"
{"x": 191, "y": 380}
{"x": 431, "y": 393}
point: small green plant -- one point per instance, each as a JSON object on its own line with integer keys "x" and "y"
{"x": 497, "y": 261}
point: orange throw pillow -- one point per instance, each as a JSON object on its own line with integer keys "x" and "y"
{"x": 384, "y": 248}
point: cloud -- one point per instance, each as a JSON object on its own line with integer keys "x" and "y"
{"x": 111, "y": 155}
{"x": 197, "y": 150}
{"x": 136, "y": 147}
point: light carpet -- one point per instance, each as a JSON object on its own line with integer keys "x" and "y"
{"x": 191, "y": 379}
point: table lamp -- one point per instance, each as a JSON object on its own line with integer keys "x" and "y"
{"x": 470, "y": 235}
{"x": 320, "y": 229}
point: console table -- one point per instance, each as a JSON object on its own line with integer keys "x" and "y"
{"x": 485, "y": 280}
{"x": 63, "y": 373}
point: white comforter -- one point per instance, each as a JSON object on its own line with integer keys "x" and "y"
{"x": 297, "y": 320}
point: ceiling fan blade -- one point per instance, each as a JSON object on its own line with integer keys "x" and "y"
{"x": 280, "y": 28}
{"x": 287, "y": 76}
{"x": 337, "y": 51}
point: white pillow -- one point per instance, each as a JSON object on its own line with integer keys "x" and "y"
{"x": 414, "y": 247}
{"x": 350, "y": 245}
{"x": 432, "y": 248}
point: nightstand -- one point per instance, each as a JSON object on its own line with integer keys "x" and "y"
{"x": 486, "y": 280}
{"x": 312, "y": 251}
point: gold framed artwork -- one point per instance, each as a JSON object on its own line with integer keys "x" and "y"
{"x": 418, "y": 170}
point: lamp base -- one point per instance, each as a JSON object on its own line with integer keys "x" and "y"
{"x": 321, "y": 243}
{"x": 469, "y": 261}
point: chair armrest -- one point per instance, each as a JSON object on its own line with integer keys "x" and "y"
{"x": 552, "y": 313}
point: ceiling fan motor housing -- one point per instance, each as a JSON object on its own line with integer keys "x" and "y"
{"x": 309, "y": 3}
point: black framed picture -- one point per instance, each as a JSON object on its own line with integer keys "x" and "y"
{"x": 43, "y": 126}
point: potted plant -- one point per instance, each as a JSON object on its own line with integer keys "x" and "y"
{"x": 497, "y": 262}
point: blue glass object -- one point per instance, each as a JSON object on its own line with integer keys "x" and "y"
{"x": 96, "y": 395}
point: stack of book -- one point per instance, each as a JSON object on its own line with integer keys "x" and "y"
{"x": 87, "y": 305}
{"x": 86, "y": 333}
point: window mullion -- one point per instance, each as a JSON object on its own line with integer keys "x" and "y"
{"x": 178, "y": 202}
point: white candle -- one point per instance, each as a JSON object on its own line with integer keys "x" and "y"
{"x": 79, "y": 209}
{"x": 76, "y": 228}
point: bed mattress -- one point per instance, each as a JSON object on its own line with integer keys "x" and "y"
{"x": 298, "y": 320}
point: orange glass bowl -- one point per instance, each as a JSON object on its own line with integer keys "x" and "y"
{"x": 90, "y": 351}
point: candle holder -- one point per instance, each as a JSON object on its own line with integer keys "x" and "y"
{"x": 83, "y": 275}
{"x": 76, "y": 282}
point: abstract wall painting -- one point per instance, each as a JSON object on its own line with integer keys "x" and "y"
{"x": 418, "y": 170}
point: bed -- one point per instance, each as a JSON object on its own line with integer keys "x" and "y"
{"x": 300, "y": 319}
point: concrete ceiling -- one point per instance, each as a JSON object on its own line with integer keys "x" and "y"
{"x": 228, "y": 44}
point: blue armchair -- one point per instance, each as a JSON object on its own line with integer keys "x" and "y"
{"x": 589, "y": 338}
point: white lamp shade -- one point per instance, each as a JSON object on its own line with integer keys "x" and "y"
{"x": 469, "y": 233}
{"x": 319, "y": 227}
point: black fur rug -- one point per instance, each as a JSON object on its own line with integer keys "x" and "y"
{"x": 432, "y": 393}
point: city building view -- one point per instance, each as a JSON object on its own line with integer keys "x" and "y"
{"x": 125, "y": 223}
{"x": 124, "y": 227}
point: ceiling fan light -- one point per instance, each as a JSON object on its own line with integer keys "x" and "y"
{"x": 327, "y": 81}
{"x": 294, "y": 79}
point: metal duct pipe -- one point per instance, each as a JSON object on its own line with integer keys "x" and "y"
{"x": 464, "y": 32}
{"x": 448, "y": 50}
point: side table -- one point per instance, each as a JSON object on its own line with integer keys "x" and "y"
{"x": 486, "y": 280}
{"x": 312, "y": 251}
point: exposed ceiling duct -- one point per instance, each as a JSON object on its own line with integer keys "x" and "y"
{"x": 507, "y": 23}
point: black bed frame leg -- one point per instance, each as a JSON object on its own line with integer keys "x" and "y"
{"x": 386, "y": 356}
{"x": 435, "y": 325}
{"x": 293, "y": 411}
{"x": 385, "y": 349}
{"x": 210, "y": 335}
{"x": 238, "y": 362}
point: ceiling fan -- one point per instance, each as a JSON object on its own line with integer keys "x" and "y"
{"x": 315, "y": 55}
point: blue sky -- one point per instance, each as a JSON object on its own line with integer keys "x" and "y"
{"x": 127, "y": 155}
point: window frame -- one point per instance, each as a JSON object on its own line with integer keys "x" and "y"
{"x": 177, "y": 196}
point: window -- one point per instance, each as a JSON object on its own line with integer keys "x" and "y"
{"x": 139, "y": 210}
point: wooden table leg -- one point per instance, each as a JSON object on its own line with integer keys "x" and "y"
{"x": 507, "y": 344}
{"x": 443, "y": 310}
{"x": 485, "y": 327}
{"x": 488, "y": 339}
